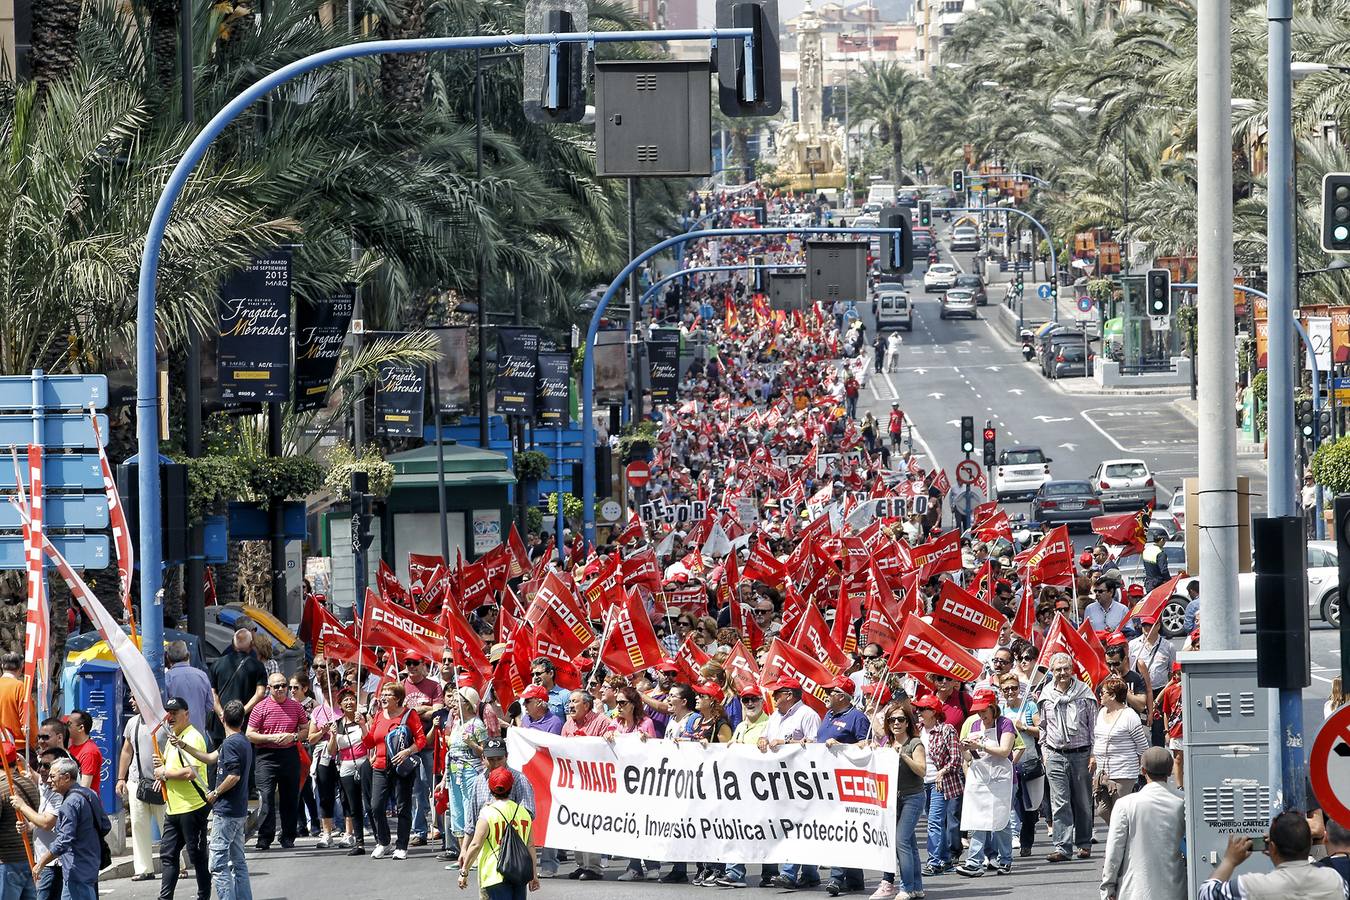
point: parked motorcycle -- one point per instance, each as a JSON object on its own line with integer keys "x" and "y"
{"x": 1028, "y": 345}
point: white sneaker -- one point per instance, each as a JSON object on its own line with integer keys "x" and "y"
{"x": 380, "y": 852}
{"x": 325, "y": 840}
{"x": 347, "y": 841}
{"x": 885, "y": 891}
{"x": 400, "y": 854}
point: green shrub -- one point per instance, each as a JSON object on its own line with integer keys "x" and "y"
{"x": 1330, "y": 465}
{"x": 531, "y": 465}
{"x": 342, "y": 461}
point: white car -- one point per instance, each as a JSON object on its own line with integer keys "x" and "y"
{"x": 939, "y": 277}
{"x": 964, "y": 237}
{"x": 958, "y": 302}
{"x": 1323, "y": 588}
{"x": 1124, "y": 483}
{"x": 893, "y": 311}
{"x": 1177, "y": 507}
{"x": 1020, "y": 472}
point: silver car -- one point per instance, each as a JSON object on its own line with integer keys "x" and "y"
{"x": 958, "y": 302}
{"x": 1125, "y": 483}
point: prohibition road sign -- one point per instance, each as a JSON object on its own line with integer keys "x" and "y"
{"x": 639, "y": 473}
{"x": 967, "y": 471}
{"x": 1085, "y": 304}
{"x": 1329, "y": 765}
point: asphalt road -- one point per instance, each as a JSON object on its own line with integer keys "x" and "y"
{"x": 309, "y": 874}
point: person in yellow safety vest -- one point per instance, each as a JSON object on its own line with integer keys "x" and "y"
{"x": 1155, "y": 563}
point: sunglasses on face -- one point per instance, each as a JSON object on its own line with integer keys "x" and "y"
{"x": 999, "y": 661}
{"x": 320, "y": 668}
{"x": 1027, "y": 658}
{"x": 1061, "y": 609}
{"x": 940, "y": 679}
{"x": 752, "y": 700}
{"x": 873, "y": 657}
{"x": 278, "y": 687}
{"x": 44, "y": 737}
{"x": 893, "y": 720}
{"x": 1101, "y": 590}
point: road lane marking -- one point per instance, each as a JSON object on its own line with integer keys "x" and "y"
{"x": 1102, "y": 431}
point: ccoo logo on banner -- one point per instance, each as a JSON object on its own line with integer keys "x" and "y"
{"x": 723, "y": 803}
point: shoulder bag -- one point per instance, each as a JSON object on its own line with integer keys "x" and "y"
{"x": 148, "y": 790}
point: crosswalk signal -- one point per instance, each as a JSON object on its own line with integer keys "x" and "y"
{"x": 1017, "y": 282}
{"x": 967, "y": 434}
{"x": 1303, "y": 414}
{"x": 897, "y": 250}
{"x": 1336, "y": 212}
{"x": 1158, "y": 292}
{"x": 925, "y": 213}
{"x": 990, "y": 452}
{"x": 958, "y": 181}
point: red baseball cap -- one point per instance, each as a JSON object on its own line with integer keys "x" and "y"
{"x": 1117, "y": 640}
{"x": 786, "y": 684}
{"x": 983, "y": 699}
{"x": 708, "y": 689}
{"x": 843, "y": 683}
{"x": 1085, "y": 559}
{"x": 500, "y": 779}
{"x": 928, "y": 701}
{"x": 534, "y": 692}
{"x": 878, "y": 692}
{"x": 666, "y": 665}
{"x": 1135, "y": 590}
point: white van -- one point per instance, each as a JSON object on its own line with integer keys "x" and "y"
{"x": 894, "y": 311}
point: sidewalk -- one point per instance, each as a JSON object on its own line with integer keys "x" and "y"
{"x": 1190, "y": 409}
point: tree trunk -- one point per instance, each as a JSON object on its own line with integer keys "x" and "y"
{"x": 898, "y": 155}
{"x": 164, "y": 42}
{"x": 741, "y": 143}
{"x": 56, "y": 25}
{"x": 403, "y": 76}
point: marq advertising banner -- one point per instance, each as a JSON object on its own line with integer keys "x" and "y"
{"x": 551, "y": 390}
{"x": 399, "y": 394}
{"x": 452, "y": 370}
{"x": 253, "y": 354}
{"x": 721, "y": 803}
{"x": 611, "y": 366}
{"x": 320, "y": 329}
{"x": 663, "y": 361}
{"x": 517, "y": 366}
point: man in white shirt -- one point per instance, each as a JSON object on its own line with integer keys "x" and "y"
{"x": 1105, "y": 612}
{"x": 893, "y": 351}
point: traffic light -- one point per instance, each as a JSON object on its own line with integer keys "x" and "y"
{"x": 925, "y": 213}
{"x": 555, "y": 86}
{"x": 958, "y": 181}
{"x": 1323, "y": 425}
{"x": 897, "y": 250}
{"x": 1158, "y": 292}
{"x": 1303, "y": 415}
{"x": 1017, "y": 282}
{"x": 967, "y": 434}
{"x": 1280, "y": 561}
{"x": 1336, "y": 212}
{"x": 741, "y": 92}
{"x": 990, "y": 451}
{"x": 361, "y": 502}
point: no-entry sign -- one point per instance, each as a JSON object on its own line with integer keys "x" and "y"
{"x": 1329, "y": 765}
{"x": 639, "y": 473}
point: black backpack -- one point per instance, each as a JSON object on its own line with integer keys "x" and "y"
{"x": 513, "y": 857}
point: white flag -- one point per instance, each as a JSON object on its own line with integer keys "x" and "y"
{"x": 718, "y": 544}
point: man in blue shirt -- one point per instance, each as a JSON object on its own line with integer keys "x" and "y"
{"x": 1105, "y": 612}
{"x": 183, "y": 679}
{"x": 537, "y": 715}
{"x": 542, "y": 672}
{"x": 79, "y": 823}
{"x": 843, "y": 723}
{"x": 1193, "y": 607}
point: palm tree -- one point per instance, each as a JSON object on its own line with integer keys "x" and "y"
{"x": 886, "y": 94}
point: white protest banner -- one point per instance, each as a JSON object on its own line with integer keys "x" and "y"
{"x": 721, "y": 803}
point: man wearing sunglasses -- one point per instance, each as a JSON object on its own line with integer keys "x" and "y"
{"x": 1105, "y": 612}
{"x": 40, "y": 823}
{"x": 1138, "y": 692}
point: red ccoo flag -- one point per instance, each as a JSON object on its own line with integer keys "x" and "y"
{"x": 785, "y": 661}
{"x": 630, "y": 642}
{"x": 556, "y": 612}
{"x": 1153, "y": 603}
{"x": 922, "y": 647}
{"x": 973, "y": 623}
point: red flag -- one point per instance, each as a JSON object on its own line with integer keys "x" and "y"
{"x": 785, "y": 661}
{"x": 1151, "y": 606}
{"x": 565, "y": 671}
{"x": 728, "y": 589}
{"x": 630, "y": 645}
{"x": 434, "y": 592}
{"x": 1024, "y": 623}
{"x": 465, "y": 646}
{"x": 880, "y": 625}
{"x": 542, "y": 560}
{"x": 942, "y": 482}
{"x": 741, "y": 668}
{"x": 690, "y": 658}
{"x": 420, "y": 568}
{"x": 386, "y": 624}
{"x": 1048, "y": 561}
{"x": 763, "y": 566}
{"x": 390, "y": 587}
{"x": 642, "y": 569}
{"x": 475, "y": 588}
{"x": 117, "y": 518}
{"x": 812, "y": 636}
{"x": 603, "y": 591}
{"x": 853, "y": 593}
{"x": 333, "y": 639}
{"x": 556, "y": 611}
{"x": 633, "y": 532}
{"x": 520, "y": 558}
{"x": 973, "y": 623}
{"x": 942, "y": 554}
{"x": 1126, "y": 530}
{"x": 1063, "y": 638}
{"x": 922, "y": 647}
{"x": 994, "y": 527}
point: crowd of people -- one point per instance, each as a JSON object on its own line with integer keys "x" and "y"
{"x": 1071, "y": 712}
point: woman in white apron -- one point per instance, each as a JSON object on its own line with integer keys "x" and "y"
{"x": 987, "y": 739}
